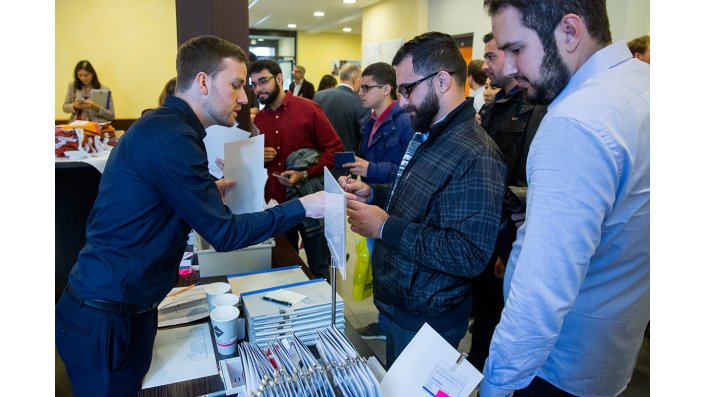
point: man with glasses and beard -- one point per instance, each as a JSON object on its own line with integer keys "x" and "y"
{"x": 576, "y": 285}
{"x": 290, "y": 123}
{"x": 435, "y": 225}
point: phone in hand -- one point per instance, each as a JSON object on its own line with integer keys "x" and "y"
{"x": 343, "y": 158}
{"x": 280, "y": 177}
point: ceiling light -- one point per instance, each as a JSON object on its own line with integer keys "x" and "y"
{"x": 253, "y": 42}
{"x": 319, "y": 14}
{"x": 260, "y": 39}
{"x": 349, "y": 1}
{"x": 291, "y": 25}
{"x": 347, "y": 30}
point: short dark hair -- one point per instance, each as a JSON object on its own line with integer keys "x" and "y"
{"x": 204, "y": 54}
{"x": 85, "y": 65}
{"x": 475, "y": 71}
{"x": 543, "y": 16}
{"x": 262, "y": 64}
{"x": 432, "y": 52}
{"x": 488, "y": 37}
{"x": 382, "y": 73}
{"x": 639, "y": 45}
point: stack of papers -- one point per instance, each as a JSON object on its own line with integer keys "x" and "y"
{"x": 183, "y": 307}
{"x": 263, "y": 279}
{"x": 268, "y": 319}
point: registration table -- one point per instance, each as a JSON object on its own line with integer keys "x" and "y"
{"x": 283, "y": 254}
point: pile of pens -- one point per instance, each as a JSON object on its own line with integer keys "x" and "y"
{"x": 291, "y": 369}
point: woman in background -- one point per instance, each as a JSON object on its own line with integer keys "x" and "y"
{"x": 169, "y": 89}
{"x": 327, "y": 81}
{"x": 78, "y": 96}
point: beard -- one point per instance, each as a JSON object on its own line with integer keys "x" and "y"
{"x": 221, "y": 117}
{"x": 422, "y": 117}
{"x": 270, "y": 96}
{"x": 555, "y": 76}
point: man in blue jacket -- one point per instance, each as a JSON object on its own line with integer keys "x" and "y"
{"x": 386, "y": 132}
{"x": 385, "y": 135}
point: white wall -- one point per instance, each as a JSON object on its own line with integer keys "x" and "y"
{"x": 628, "y": 19}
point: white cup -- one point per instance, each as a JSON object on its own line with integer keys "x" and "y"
{"x": 228, "y": 299}
{"x": 224, "y": 321}
{"x": 213, "y": 290}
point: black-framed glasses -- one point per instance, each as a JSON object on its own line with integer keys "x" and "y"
{"x": 260, "y": 81}
{"x": 405, "y": 89}
{"x": 364, "y": 87}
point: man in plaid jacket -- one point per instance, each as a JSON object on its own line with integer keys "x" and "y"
{"x": 436, "y": 225}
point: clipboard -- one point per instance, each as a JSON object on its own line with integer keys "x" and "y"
{"x": 101, "y": 97}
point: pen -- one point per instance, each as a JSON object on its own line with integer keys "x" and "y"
{"x": 182, "y": 290}
{"x": 277, "y": 301}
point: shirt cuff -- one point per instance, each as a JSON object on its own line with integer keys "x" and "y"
{"x": 372, "y": 195}
{"x": 381, "y": 229}
{"x": 487, "y": 390}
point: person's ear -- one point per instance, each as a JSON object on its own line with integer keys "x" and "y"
{"x": 202, "y": 82}
{"x": 444, "y": 81}
{"x": 570, "y": 32}
{"x": 280, "y": 79}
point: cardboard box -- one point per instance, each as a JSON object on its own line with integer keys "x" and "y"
{"x": 212, "y": 263}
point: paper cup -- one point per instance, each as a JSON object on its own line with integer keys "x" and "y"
{"x": 231, "y": 300}
{"x": 213, "y": 290}
{"x": 226, "y": 299}
{"x": 224, "y": 321}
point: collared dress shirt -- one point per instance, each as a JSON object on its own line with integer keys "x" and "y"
{"x": 155, "y": 188}
{"x": 298, "y": 123}
{"x": 577, "y": 282}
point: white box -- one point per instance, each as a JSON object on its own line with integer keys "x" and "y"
{"x": 231, "y": 372}
{"x": 212, "y": 263}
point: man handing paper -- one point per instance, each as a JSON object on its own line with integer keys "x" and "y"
{"x": 155, "y": 188}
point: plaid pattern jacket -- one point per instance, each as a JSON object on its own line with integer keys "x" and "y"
{"x": 444, "y": 217}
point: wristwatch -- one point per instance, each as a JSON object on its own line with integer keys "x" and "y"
{"x": 304, "y": 175}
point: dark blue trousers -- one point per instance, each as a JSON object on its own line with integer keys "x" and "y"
{"x": 106, "y": 354}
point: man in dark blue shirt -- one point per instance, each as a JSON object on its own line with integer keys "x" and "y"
{"x": 155, "y": 189}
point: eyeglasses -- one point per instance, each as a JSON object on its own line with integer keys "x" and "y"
{"x": 261, "y": 81}
{"x": 364, "y": 88}
{"x": 405, "y": 89}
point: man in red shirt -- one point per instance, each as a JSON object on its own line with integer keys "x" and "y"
{"x": 290, "y": 123}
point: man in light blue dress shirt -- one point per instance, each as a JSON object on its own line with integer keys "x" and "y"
{"x": 577, "y": 282}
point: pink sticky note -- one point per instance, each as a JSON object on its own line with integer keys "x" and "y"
{"x": 441, "y": 394}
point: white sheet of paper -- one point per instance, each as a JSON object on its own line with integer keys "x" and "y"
{"x": 411, "y": 370}
{"x": 335, "y": 220}
{"x": 216, "y": 138}
{"x": 244, "y": 163}
{"x": 181, "y": 354}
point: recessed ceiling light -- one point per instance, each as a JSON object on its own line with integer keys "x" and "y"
{"x": 349, "y": 1}
{"x": 260, "y": 39}
{"x": 253, "y": 41}
{"x": 319, "y": 14}
{"x": 347, "y": 30}
{"x": 291, "y": 25}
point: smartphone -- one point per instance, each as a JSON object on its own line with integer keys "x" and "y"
{"x": 280, "y": 177}
{"x": 343, "y": 158}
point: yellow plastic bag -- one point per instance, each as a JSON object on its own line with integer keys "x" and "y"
{"x": 362, "y": 277}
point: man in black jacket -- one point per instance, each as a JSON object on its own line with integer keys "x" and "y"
{"x": 512, "y": 122}
{"x": 300, "y": 86}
